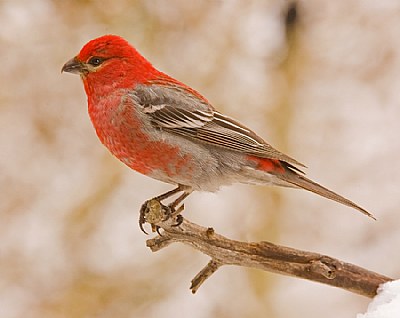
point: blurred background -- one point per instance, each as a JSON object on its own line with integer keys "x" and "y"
{"x": 323, "y": 88}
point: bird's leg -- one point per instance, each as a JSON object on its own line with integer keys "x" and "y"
{"x": 175, "y": 210}
{"x": 169, "y": 211}
{"x": 168, "y": 194}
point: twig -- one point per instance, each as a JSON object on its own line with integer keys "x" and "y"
{"x": 206, "y": 272}
{"x": 261, "y": 255}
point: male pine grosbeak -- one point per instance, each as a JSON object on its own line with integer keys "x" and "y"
{"x": 166, "y": 130}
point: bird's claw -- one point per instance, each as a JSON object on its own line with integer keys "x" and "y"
{"x": 179, "y": 220}
{"x": 152, "y": 211}
{"x": 142, "y": 216}
{"x": 159, "y": 212}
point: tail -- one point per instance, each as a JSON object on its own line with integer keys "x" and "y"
{"x": 300, "y": 181}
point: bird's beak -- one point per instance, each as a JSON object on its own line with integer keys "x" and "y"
{"x": 74, "y": 66}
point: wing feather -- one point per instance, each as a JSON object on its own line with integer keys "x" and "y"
{"x": 172, "y": 111}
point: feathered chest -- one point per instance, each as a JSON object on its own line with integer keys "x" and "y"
{"x": 127, "y": 133}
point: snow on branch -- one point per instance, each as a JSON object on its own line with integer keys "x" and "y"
{"x": 262, "y": 255}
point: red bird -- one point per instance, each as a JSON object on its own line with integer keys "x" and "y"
{"x": 166, "y": 130}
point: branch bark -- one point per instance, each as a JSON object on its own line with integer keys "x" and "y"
{"x": 262, "y": 255}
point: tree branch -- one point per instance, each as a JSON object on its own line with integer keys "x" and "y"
{"x": 262, "y": 255}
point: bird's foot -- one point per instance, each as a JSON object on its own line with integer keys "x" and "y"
{"x": 153, "y": 212}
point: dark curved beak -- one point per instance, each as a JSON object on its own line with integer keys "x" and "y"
{"x": 74, "y": 66}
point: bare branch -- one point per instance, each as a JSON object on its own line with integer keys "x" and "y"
{"x": 261, "y": 255}
{"x": 206, "y": 272}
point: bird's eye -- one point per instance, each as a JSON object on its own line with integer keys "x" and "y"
{"x": 95, "y": 61}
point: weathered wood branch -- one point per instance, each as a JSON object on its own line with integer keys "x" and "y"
{"x": 262, "y": 255}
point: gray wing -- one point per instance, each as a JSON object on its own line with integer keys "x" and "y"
{"x": 191, "y": 117}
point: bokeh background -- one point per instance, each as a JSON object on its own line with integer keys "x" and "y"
{"x": 324, "y": 89}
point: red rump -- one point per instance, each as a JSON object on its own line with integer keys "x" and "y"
{"x": 268, "y": 165}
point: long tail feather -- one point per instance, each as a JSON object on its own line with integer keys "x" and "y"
{"x": 307, "y": 184}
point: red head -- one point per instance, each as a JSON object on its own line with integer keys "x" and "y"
{"x": 110, "y": 62}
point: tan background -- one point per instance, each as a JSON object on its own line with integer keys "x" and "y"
{"x": 327, "y": 95}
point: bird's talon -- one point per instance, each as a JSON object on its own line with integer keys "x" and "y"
{"x": 158, "y": 230}
{"x": 141, "y": 227}
{"x": 153, "y": 211}
{"x": 142, "y": 216}
{"x": 179, "y": 220}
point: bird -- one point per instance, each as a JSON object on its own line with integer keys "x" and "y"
{"x": 168, "y": 131}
